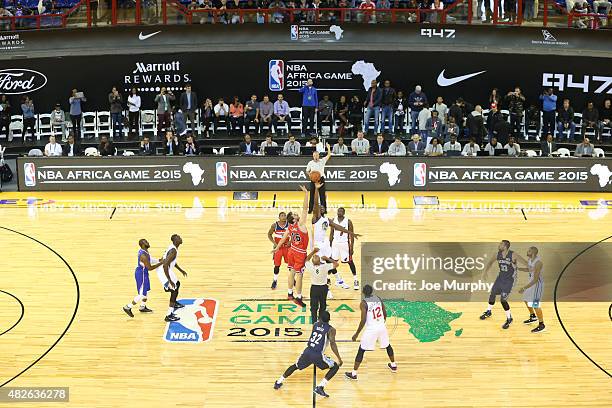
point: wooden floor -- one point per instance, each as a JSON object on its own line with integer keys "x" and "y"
{"x": 110, "y": 360}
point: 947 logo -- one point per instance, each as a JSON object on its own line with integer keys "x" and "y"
{"x": 584, "y": 82}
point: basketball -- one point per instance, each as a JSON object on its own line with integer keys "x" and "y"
{"x": 315, "y": 176}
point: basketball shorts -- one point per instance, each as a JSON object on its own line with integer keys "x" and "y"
{"x": 143, "y": 285}
{"x": 162, "y": 276}
{"x": 533, "y": 294}
{"x": 281, "y": 256}
{"x": 308, "y": 358}
{"x": 502, "y": 287}
{"x": 296, "y": 260}
{"x": 177, "y": 285}
{"x": 324, "y": 248}
{"x": 340, "y": 252}
{"x": 371, "y": 335}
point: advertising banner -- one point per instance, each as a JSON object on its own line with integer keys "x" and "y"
{"x": 239, "y": 173}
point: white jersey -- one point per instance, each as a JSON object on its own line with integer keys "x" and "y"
{"x": 374, "y": 317}
{"x": 531, "y": 264}
{"x": 160, "y": 270}
{"x": 320, "y": 230}
{"x": 340, "y": 236}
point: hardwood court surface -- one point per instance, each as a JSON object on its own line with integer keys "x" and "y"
{"x": 110, "y": 360}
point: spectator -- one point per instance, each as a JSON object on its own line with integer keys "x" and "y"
{"x": 368, "y": 15}
{"x": 266, "y": 113}
{"x": 423, "y": 117}
{"x": 452, "y": 145}
{"x": 310, "y": 102}
{"x": 207, "y": 116}
{"x": 397, "y": 148}
{"x": 326, "y": 108}
{"x": 492, "y": 146}
{"x": 549, "y": 109}
{"x": 381, "y": 146}
{"x": 318, "y": 146}
{"x": 434, "y": 125}
{"x": 400, "y": 105}
{"x": 106, "y": 147}
{"x": 355, "y": 114}
{"x": 247, "y": 146}
{"x": 532, "y": 121}
{"x": 502, "y": 130}
{"x": 471, "y": 148}
{"x": 58, "y": 120}
{"x": 417, "y": 101}
{"x": 342, "y": 112}
{"x": 191, "y": 147}
{"x": 171, "y": 145}
{"x": 134, "y": 103}
{"x": 340, "y": 148}
{"x": 277, "y": 15}
{"x": 388, "y": 102}
{"x": 565, "y": 121}
{"x": 416, "y": 145}
{"x": 495, "y": 97}
{"x": 457, "y": 113}
{"x": 251, "y": 114}
{"x": 291, "y": 147}
{"x": 516, "y": 106}
{"x": 451, "y": 129}
{"x": 606, "y": 115}
{"x": 53, "y": 149}
{"x": 164, "y": 108}
{"x": 372, "y": 103}
{"x": 475, "y": 124}
{"x": 221, "y": 111}
{"x": 29, "y": 119}
{"x": 76, "y": 113}
{"x": 434, "y": 148}
{"x": 514, "y": 149}
{"x": 590, "y": 120}
{"x": 178, "y": 121}
{"x": 145, "y": 147}
{"x": 581, "y": 7}
{"x": 281, "y": 114}
{"x": 116, "y": 100}
{"x": 606, "y": 4}
{"x": 442, "y": 109}
{"x": 189, "y": 104}
{"x": 5, "y": 21}
{"x": 360, "y": 145}
{"x": 548, "y": 146}
{"x": 236, "y": 116}
{"x": 493, "y": 118}
{"x": 585, "y": 148}
{"x": 267, "y": 143}
{"x": 71, "y": 148}
{"x": 5, "y": 117}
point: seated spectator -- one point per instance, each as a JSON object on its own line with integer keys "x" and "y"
{"x": 451, "y": 129}
{"x": 106, "y": 147}
{"x": 342, "y": 112}
{"x": 251, "y": 114}
{"x": 221, "y": 113}
{"x": 191, "y": 147}
{"x": 565, "y": 121}
{"x": 548, "y": 146}
{"x": 5, "y": 23}
{"x": 180, "y": 127}
{"x": 318, "y": 146}
{"x": 236, "y": 116}
{"x": 492, "y": 146}
{"x": 606, "y": 115}
{"x": 267, "y": 143}
{"x": 340, "y": 148}
{"x": 326, "y": 108}
{"x": 171, "y": 145}
{"x": 381, "y": 146}
{"x": 471, "y": 148}
{"x": 585, "y": 148}
{"x": 434, "y": 148}
{"x": 58, "y": 120}
{"x": 207, "y": 116}
{"x": 281, "y": 117}
{"x": 605, "y": 4}
{"x": 514, "y": 149}
{"x": 277, "y": 15}
{"x": 146, "y": 149}
{"x": 590, "y": 120}
{"x": 397, "y": 148}
{"x": 248, "y": 147}
{"x": 368, "y": 16}
{"x": 266, "y": 113}
{"x": 452, "y": 145}
{"x": 434, "y": 125}
{"x": 360, "y": 145}
{"x": 502, "y": 130}
{"x": 291, "y": 147}
{"x": 399, "y": 108}
{"x": 71, "y": 149}
{"x": 416, "y": 145}
{"x": 581, "y": 7}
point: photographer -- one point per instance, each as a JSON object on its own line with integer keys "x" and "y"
{"x": 115, "y": 99}
{"x": 76, "y": 112}
{"x": 164, "y": 109}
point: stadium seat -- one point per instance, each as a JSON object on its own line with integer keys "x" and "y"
{"x": 599, "y": 152}
{"x": 43, "y": 126}
{"x": 563, "y": 152}
{"x": 148, "y": 121}
{"x": 103, "y": 124}
{"x": 88, "y": 123}
{"x": 16, "y": 127}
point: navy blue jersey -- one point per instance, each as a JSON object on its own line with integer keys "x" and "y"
{"x": 318, "y": 338}
{"x": 507, "y": 269}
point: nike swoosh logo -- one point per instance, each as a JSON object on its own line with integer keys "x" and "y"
{"x": 442, "y": 81}
{"x": 142, "y": 37}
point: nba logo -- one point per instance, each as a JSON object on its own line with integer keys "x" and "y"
{"x": 294, "y": 32}
{"x": 221, "y": 174}
{"x": 276, "y": 77}
{"x": 29, "y": 170}
{"x": 196, "y": 324}
{"x": 420, "y": 174}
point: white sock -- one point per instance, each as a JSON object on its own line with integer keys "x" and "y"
{"x": 280, "y": 379}
{"x": 393, "y": 364}
{"x": 143, "y": 305}
{"x": 170, "y": 310}
{"x": 299, "y": 296}
{"x": 323, "y": 383}
{"x": 489, "y": 308}
{"x": 129, "y": 305}
{"x": 137, "y": 298}
{"x": 354, "y": 372}
{"x": 290, "y": 291}
{"x": 275, "y": 277}
{"x": 508, "y": 315}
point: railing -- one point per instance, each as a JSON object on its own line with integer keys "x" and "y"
{"x": 56, "y": 19}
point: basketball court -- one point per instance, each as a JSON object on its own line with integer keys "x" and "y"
{"x": 68, "y": 271}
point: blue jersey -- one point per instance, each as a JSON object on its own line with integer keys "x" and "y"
{"x": 318, "y": 338}
{"x": 140, "y": 267}
{"x": 507, "y": 269}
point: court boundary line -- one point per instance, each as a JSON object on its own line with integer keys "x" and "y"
{"x": 113, "y": 213}
{"x": 76, "y": 306}
{"x": 20, "y": 317}
{"x": 314, "y": 384}
{"x": 557, "y": 309}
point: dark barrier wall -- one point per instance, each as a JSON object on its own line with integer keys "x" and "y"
{"x": 225, "y": 74}
{"x": 341, "y": 173}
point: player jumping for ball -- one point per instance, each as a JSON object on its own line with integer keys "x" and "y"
{"x": 275, "y": 234}
{"x": 532, "y": 292}
{"x": 166, "y": 276}
{"x": 504, "y": 283}
{"x": 141, "y": 274}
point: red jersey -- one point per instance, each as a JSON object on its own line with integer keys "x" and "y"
{"x": 279, "y": 232}
{"x": 299, "y": 239}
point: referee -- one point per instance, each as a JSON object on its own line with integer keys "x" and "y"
{"x": 318, "y": 283}
{"x": 318, "y": 164}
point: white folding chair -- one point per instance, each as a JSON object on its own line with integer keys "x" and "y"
{"x": 531, "y": 153}
{"x": 43, "y": 126}
{"x": 563, "y": 152}
{"x": 578, "y": 122}
{"x": 296, "y": 120}
{"x": 103, "y": 124}
{"x": 599, "y": 152}
{"x": 89, "y": 125}
{"x": 148, "y": 121}
{"x": 16, "y": 127}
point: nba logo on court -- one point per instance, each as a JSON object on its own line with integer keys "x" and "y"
{"x": 221, "y": 174}
{"x": 276, "y": 77}
{"x": 420, "y": 174}
{"x": 196, "y": 324}
{"x": 29, "y": 171}
{"x": 294, "y": 32}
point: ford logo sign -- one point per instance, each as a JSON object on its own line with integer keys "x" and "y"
{"x": 15, "y": 81}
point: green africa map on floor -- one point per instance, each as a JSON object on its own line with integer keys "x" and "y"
{"x": 428, "y": 321}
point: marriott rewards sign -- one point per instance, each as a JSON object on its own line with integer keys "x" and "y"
{"x": 341, "y": 173}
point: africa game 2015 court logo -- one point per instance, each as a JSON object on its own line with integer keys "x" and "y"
{"x": 197, "y": 321}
